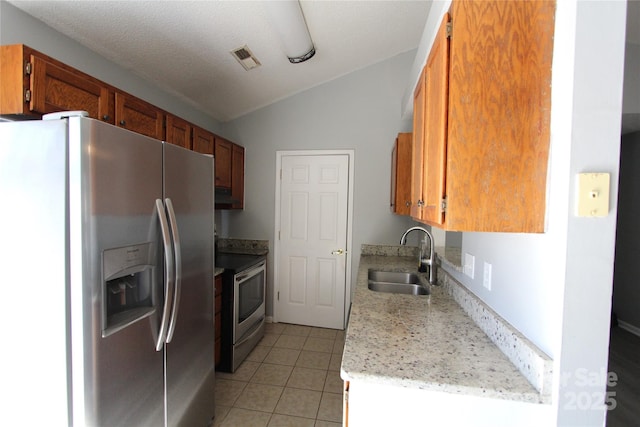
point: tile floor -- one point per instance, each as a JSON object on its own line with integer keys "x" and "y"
{"x": 291, "y": 378}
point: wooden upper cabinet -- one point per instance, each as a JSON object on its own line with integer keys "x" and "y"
{"x": 223, "y": 153}
{"x": 178, "y": 131}
{"x": 417, "y": 158}
{"x": 139, "y": 116}
{"x": 237, "y": 176}
{"x": 203, "y": 141}
{"x": 401, "y": 174}
{"x": 35, "y": 84}
{"x": 486, "y": 128}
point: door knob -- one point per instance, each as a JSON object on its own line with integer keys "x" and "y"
{"x": 337, "y": 252}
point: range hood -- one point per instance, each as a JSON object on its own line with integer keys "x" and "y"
{"x": 223, "y": 197}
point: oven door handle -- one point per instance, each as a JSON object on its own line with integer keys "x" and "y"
{"x": 251, "y": 332}
{"x": 240, "y": 277}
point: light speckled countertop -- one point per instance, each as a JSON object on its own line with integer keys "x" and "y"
{"x": 424, "y": 342}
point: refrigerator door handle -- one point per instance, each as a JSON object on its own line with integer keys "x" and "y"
{"x": 178, "y": 267}
{"x": 168, "y": 274}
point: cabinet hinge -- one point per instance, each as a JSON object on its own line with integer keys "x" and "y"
{"x": 27, "y": 68}
{"x": 27, "y": 95}
{"x": 449, "y": 29}
{"x": 444, "y": 204}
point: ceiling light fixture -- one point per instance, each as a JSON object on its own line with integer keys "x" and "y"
{"x": 288, "y": 21}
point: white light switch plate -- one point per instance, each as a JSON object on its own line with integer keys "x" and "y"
{"x": 593, "y": 194}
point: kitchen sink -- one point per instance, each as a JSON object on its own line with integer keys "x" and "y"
{"x": 396, "y": 282}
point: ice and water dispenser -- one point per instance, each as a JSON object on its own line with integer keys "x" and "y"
{"x": 128, "y": 292}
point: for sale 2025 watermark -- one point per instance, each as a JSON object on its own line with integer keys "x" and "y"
{"x": 589, "y": 390}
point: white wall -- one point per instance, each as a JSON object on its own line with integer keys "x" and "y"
{"x": 360, "y": 111}
{"x": 16, "y": 27}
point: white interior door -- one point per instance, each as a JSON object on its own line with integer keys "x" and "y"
{"x": 311, "y": 257}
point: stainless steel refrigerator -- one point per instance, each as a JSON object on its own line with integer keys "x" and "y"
{"x": 107, "y": 258}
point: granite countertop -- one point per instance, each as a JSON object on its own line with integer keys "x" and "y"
{"x": 424, "y": 342}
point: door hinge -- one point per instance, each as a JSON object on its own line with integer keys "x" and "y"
{"x": 449, "y": 29}
{"x": 280, "y": 174}
{"x": 27, "y": 95}
{"x": 278, "y": 295}
{"x": 278, "y": 234}
{"x": 444, "y": 204}
{"x": 27, "y": 68}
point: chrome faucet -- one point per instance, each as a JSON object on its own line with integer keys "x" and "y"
{"x": 424, "y": 262}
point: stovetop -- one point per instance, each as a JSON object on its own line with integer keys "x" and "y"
{"x": 237, "y": 262}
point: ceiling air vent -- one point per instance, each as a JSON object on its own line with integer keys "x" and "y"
{"x": 245, "y": 58}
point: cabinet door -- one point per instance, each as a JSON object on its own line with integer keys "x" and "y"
{"x": 499, "y": 115}
{"x": 54, "y": 88}
{"x": 178, "y": 131}
{"x": 401, "y": 175}
{"x": 223, "y": 154}
{"x": 417, "y": 157}
{"x": 202, "y": 141}
{"x": 237, "y": 176}
{"x": 139, "y": 116}
{"x": 435, "y": 127}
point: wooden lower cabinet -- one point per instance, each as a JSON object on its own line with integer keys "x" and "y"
{"x": 218, "y": 318}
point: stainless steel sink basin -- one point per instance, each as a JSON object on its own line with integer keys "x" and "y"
{"x": 396, "y": 282}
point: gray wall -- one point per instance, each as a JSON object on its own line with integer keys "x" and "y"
{"x": 360, "y": 111}
{"x": 16, "y": 27}
{"x": 626, "y": 289}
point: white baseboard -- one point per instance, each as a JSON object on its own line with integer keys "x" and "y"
{"x": 268, "y": 319}
{"x": 629, "y": 327}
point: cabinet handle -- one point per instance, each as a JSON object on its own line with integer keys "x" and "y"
{"x": 122, "y": 123}
{"x": 420, "y": 203}
{"x": 106, "y": 117}
{"x": 408, "y": 203}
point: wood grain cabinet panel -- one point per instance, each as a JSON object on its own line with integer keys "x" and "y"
{"x": 237, "y": 176}
{"x": 486, "y": 117}
{"x": 203, "y": 141}
{"x": 223, "y": 152}
{"x": 139, "y": 116}
{"x": 401, "y": 174}
{"x": 34, "y": 84}
{"x": 178, "y": 131}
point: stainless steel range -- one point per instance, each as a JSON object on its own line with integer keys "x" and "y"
{"x": 243, "y": 306}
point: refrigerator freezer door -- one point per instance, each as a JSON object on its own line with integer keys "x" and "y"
{"x": 188, "y": 183}
{"x": 33, "y": 255}
{"x": 115, "y": 176}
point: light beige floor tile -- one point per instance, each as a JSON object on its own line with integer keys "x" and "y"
{"x": 318, "y": 344}
{"x": 299, "y": 403}
{"x": 333, "y": 383}
{"x": 279, "y": 420}
{"x": 268, "y": 340}
{"x": 238, "y": 417}
{"x": 282, "y": 356}
{"x": 297, "y": 330}
{"x": 295, "y": 342}
{"x": 274, "y": 328}
{"x": 335, "y": 362}
{"x": 330, "y": 407}
{"x": 258, "y": 353}
{"x": 314, "y": 359}
{"x": 338, "y": 347}
{"x": 259, "y": 397}
{"x": 323, "y": 333}
{"x": 227, "y": 391}
{"x": 221, "y": 413}
{"x": 307, "y": 379}
{"x": 272, "y": 374}
{"x": 340, "y": 335}
{"x": 244, "y": 372}
{"x": 322, "y": 423}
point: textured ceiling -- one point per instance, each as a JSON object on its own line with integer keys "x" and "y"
{"x": 183, "y": 46}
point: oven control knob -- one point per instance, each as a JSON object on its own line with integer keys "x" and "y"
{"x": 338, "y": 252}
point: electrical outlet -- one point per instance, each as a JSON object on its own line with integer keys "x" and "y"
{"x": 469, "y": 265}
{"x": 486, "y": 280}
